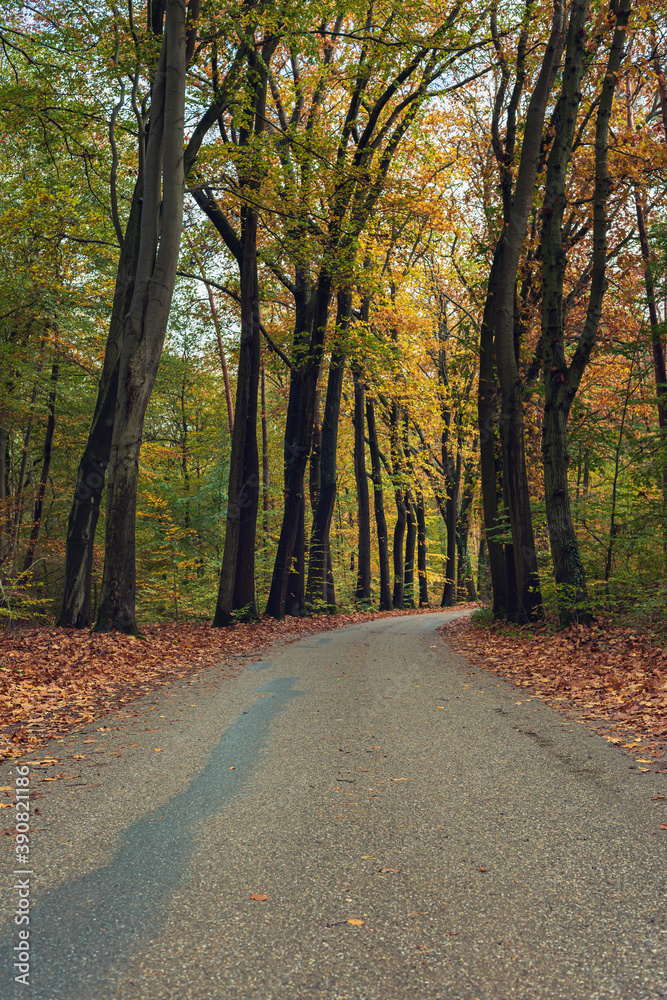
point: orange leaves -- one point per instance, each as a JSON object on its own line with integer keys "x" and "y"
{"x": 259, "y": 897}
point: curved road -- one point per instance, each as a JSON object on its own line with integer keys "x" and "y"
{"x": 492, "y": 848}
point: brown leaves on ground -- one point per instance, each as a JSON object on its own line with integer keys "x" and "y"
{"x": 53, "y": 679}
{"x": 611, "y": 677}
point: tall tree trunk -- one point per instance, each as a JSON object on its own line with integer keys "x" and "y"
{"x": 465, "y": 578}
{"x": 378, "y": 504}
{"x": 46, "y": 467}
{"x": 320, "y": 573}
{"x": 318, "y": 560}
{"x": 146, "y": 324}
{"x": 562, "y": 380}
{"x": 410, "y": 541}
{"x": 489, "y": 449}
{"x": 401, "y": 511}
{"x": 362, "y": 593}
{"x": 511, "y": 386}
{"x": 236, "y": 593}
{"x": 85, "y": 509}
{"x": 420, "y": 511}
{"x": 298, "y": 439}
{"x": 568, "y": 568}
{"x": 448, "y": 459}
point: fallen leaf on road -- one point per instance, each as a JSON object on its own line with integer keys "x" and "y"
{"x": 159, "y": 750}
{"x": 6, "y": 805}
{"x": 654, "y": 799}
{"x": 482, "y": 869}
{"x": 388, "y": 871}
{"x": 259, "y": 897}
{"x": 663, "y": 826}
{"x": 355, "y": 922}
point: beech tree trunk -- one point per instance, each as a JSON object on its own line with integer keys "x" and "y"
{"x": 410, "y": 542}
{"x": 362, "y": 594}
{"x": 465, "y": 577}
{"x": 312, "y": 315}
{"x": 378, "y": 504}
{"x": 401, "y": 511}
{"x": 529, "y": 599}
{"x": 85, "y": 510}
{"x": 320, "y": 574}
{"x": 319, "y": 559}
{"x": 420, "y": 511}
{"x": 448, "y": 461}
{"x": 489, "y": 450}
{"x": 146, "y": 323}
{"x": 236, "y": 593}
{"x": 562, "y": 380}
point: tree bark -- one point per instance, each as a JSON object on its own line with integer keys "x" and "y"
{"x": 362, "y": 594}
{"x": 489, "y": 449}
{"x": 448, "y": 461}
{"x": 420, "y": 511}
{"x": 568, "y": 569}
{"x": 85, "y": 509}
{"x": 378, "y": 503}
{"x": 398, "y": 593}
{"x": 310, "y": 328}
{"x": 529, "y": 599}
{"x": 319, "y": 561}
{"x": 465, "y": 577}
{"x": 561, "y": 381}
{"x": 236, "y": 593}
{"x": 146, "y": 324}
{"x": 410, "y": 542}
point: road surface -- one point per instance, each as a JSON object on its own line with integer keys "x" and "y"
{"x": 483, "y": 846}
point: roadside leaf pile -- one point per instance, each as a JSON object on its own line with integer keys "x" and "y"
{"x": 53, "y": 679}
{"x": 614, "y": 679}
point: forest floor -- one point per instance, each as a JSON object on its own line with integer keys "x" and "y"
{"x": 608, "y": 677}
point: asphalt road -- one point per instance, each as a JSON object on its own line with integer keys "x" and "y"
{"x": 492, "y": 848}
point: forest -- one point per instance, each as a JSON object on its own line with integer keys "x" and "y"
{"x": 315, "y": 307}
